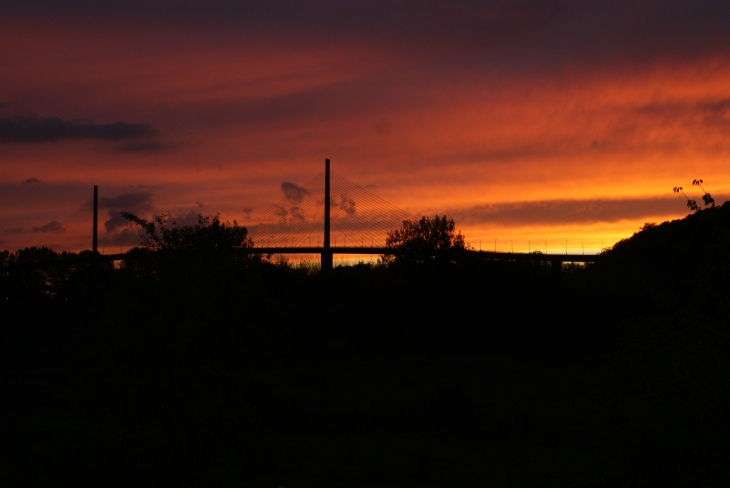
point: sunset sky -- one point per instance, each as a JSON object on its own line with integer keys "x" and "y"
{"x": 526, "y": 121}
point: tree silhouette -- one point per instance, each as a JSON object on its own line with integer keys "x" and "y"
{"x": 205, "y": 251}
{"x": 692, "y": 204}
{"x": 707, "y": 198}
{"x": 209, "y": 234}
{"x": 425, "y": 240}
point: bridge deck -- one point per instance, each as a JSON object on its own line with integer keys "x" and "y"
{"x": 575, "y": 258}
{"x": 581, "y": 258}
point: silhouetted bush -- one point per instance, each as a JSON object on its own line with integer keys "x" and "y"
{"x": 426, "y": 241}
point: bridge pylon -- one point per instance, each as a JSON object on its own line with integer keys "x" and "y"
{"x": 326, "y": 256}
{"x": 95, "y": 223}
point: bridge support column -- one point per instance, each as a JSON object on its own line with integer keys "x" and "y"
{"x": 326, "y": 261}
{"x": 326, "y": 254}
{"x": 94, "y": 235}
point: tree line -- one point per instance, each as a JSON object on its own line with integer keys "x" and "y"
{"x": 165, "y": 362}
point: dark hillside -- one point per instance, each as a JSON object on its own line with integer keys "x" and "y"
{"x": 676, "y": 264}
{"x": 204, "y": 367}
{"x": 670, "y": 286}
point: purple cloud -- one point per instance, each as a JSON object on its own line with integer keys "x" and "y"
{"x": 53, "y": 227}
{"x": 32, "y": 128}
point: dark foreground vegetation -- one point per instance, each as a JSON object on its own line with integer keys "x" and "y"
{"x": 199, "y": 365}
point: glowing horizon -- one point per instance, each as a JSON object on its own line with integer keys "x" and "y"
{"x": 529, "y": 121}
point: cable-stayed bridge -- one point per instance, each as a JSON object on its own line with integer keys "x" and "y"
{"x": 355, "y": 222}
{"x": 325, "y": 216}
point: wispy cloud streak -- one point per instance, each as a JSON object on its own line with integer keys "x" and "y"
{"x": 570, "y": 212}
{"x": 32, "y": 128}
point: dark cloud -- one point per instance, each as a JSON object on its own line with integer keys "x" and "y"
{"x": 717, "y": 106}
{"x": 53, "y": 227}
{"x": 716, "y": 113}
{"x": 3, "y": 106}
{"x": 199, "y": 204}
{"x": 293, "y": 192}
{"x": 627, "y": 33}
{"x": 709, "y": 111}
{"x": 131, "y": 201}
{"x": 556, "y": 212}
{"x": 32, "y": 128}
{"x": 296, "y": 216}
{"x": 116, "y": 221}
{"x": 280, "y": 212}
{"x": 346, "y": 204}
{"x": 127, "y": 238}
{"x": 152, "y": 146}
{"x": 321, "y": 19}
{"x": 30, "y": 181}
{"x": 596, "y": 31}
{"x": 186, "y": 219}
{"x": 136, "y": 203}
{"x": 14, "y": 230}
